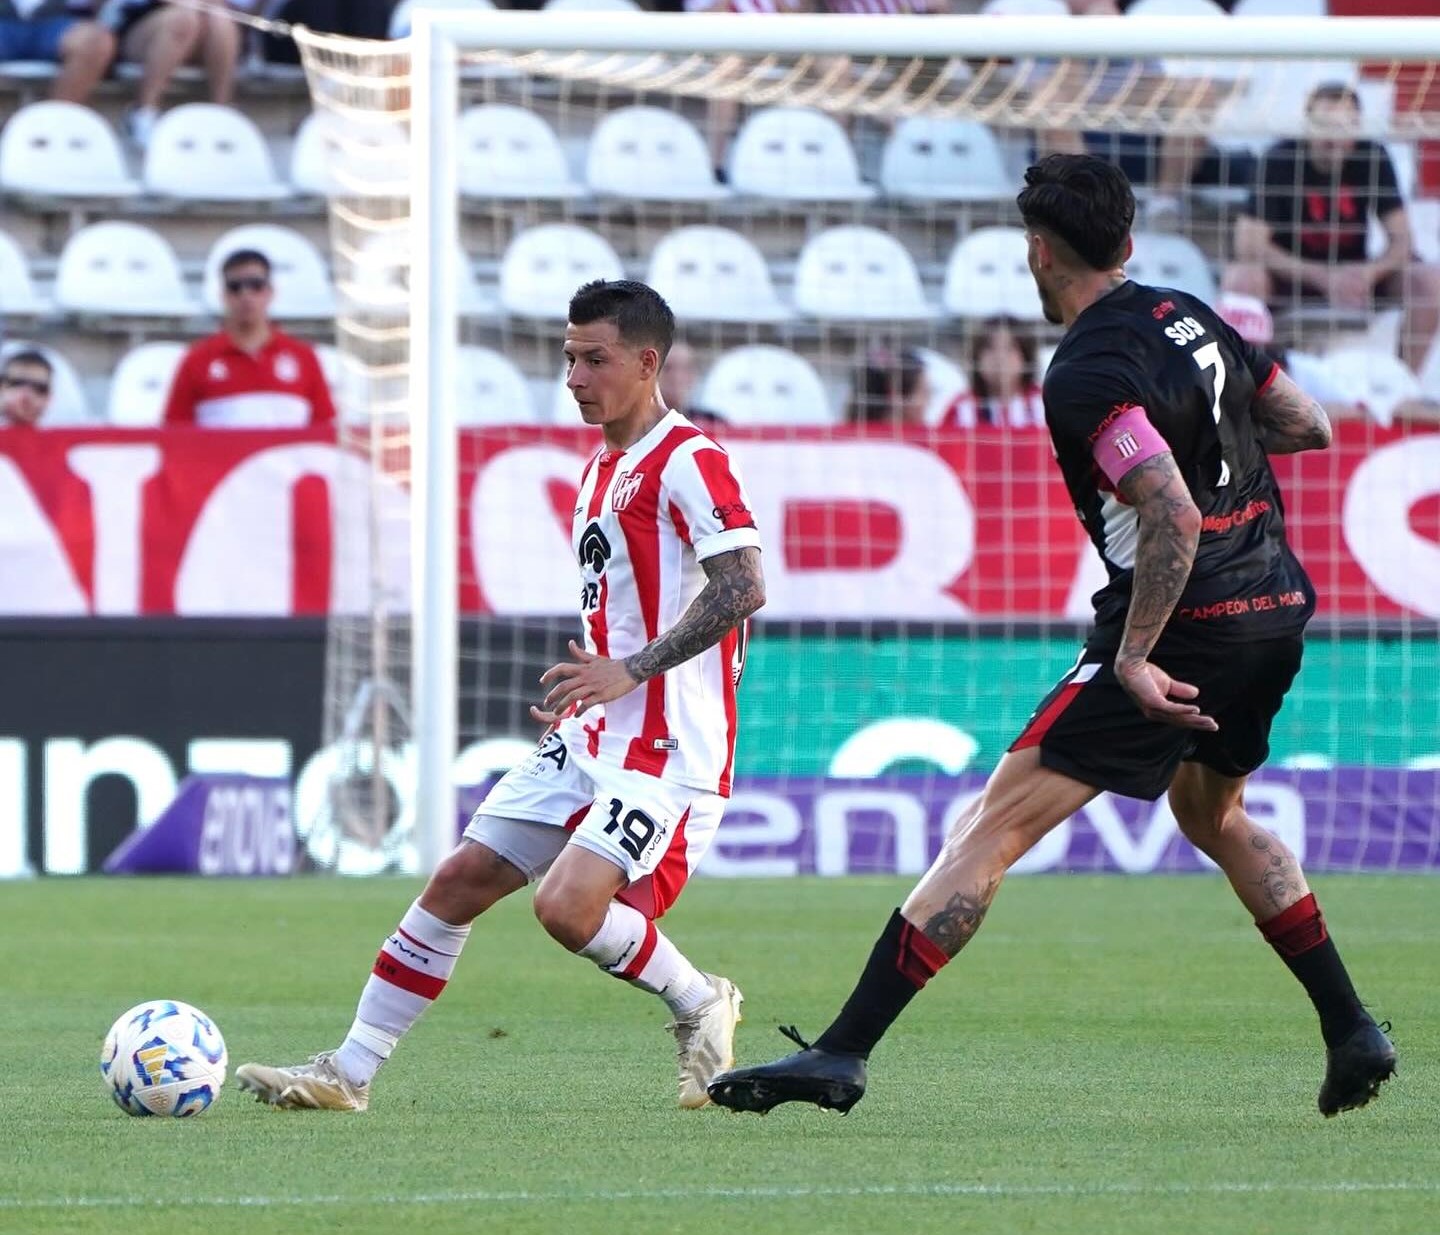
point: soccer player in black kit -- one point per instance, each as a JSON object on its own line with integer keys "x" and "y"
{"x": 1163, "y": 419}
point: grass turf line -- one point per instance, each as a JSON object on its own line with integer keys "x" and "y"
{"x": 1110, "y": 1055}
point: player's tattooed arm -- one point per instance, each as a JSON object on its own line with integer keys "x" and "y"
{"x": 735, "y": 589}
{"x": 1290, "y": 420}
{"x": 1169, "y": 532}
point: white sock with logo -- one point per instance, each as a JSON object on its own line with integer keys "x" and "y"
{"x": 628, "y": 946}
{"x": 413, "y": 967}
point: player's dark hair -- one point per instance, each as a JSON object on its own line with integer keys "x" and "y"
{"x": 976, "y": 341}
{"x": 246, "y": 257}
{"x": 1084, "y": 201}
{"x": 1334, "y": 92}
{"x": 883, "y": 378}
{"x": 641, "y": 316}
{"x": 28, "y": 356}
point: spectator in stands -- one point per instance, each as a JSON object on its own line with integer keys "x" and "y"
{"x": 249, "y": 375}
{"x": 63, "y": 31}
{"x": 25, "y": 380}
{"x": 889, "y": 388}
{"x": 1004, "y": 384}
{"x": 161, "y": 37}
{"x": 1304, "y": 235}
{"x": 1303, "y": 238}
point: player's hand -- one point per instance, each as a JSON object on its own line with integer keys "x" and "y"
{"x": 1350, "y": 285}
{"x": 581, "y": 683}
{"x": 1157, "y": 695}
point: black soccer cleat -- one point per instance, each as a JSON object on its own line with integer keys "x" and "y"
{"x": 831, "y": 1082}
{"x": 1355, "y": 1070}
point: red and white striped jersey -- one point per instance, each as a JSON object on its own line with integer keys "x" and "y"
{"x": 645, "y": 518}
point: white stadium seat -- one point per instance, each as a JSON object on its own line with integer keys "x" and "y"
{"x": 298, "y": 273}
{"x": 510, "y": 152}
{"x": 205, "y": 152}
{"x": 1164, "y": 260}
{"x": 988, "y": 275}
{"x": 651, "y": 154}
{"x": 858, "y": 274}
{"x": 491, "y": 391}
{"x": 933, "y": 159}
{"x": 764, "y": 385}
{"x": 796, "y": 154}
{"x": 1379, "y": 380}
{"x": 68, "y": 405}
{"x": 18, "y": 297}
{"x": 141, "y": 385}
{"x": 63, "y": 150}
{"x": 121, "y": 269}
{"x": 544, "y": 265}
{"x": 375, "y": 278}
{"x": 714, "y": 274}
{"x": 365, "y": 156}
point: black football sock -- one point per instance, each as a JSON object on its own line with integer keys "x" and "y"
{"x": 902, "y": 961}
{"x": 1299, "y": 936}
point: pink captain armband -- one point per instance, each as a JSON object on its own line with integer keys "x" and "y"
{"x": 1125, "y": 441}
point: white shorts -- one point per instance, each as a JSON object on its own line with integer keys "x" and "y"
{"x": 653, "y": 830}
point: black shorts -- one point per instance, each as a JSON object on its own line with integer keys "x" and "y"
{"x": 1088, "y": 728}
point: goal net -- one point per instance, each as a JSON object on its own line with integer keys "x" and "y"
{"x": 828, "y": 205}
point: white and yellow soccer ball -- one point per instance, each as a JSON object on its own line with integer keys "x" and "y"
{"x": 164, "y": 1057}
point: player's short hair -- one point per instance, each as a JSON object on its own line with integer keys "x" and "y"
{"x": 245, "y": 257}
{"x": 1334, "y": 92}
{"x": 28, "y": 356}
{"x": 641, "y": 316}
{"x": 1083, "y": 200}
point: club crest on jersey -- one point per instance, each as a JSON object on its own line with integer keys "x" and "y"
{"x": 626, "y": 487}
{"x": 1126, "y": 445}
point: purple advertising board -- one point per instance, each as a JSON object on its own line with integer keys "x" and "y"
{"x": 1357, "y": 819}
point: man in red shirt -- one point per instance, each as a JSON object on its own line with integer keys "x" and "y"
{"x": 250, "y": 375}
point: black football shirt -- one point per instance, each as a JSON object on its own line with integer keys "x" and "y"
{"x": 1196, "y": 379}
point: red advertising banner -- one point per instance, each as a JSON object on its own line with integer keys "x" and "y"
{"x": 932, "y": 525}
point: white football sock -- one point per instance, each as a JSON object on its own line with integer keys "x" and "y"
{"x": 628, "y": 946}
{"x": 412, "y": 969}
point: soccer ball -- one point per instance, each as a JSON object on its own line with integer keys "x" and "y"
{"x": 163, "y": 1057}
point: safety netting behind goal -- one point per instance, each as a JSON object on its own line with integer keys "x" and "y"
{"x": 838, "y": 237}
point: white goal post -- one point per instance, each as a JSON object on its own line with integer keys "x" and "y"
{"x": 893, "y": 66}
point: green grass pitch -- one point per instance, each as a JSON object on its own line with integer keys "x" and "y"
{"x": 1111, "y": 1055}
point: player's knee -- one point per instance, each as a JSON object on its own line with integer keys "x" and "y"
{"x": 1202, "y": 818}
{"x": 467, "y": 883}
{"x": 568, "y": 920}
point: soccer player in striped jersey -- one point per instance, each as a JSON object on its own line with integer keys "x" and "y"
{"x": 621, "y": 798}
{"x": 1163, "y": 420}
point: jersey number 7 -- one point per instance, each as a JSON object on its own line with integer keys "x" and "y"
{"x": 1208, "y": 357}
